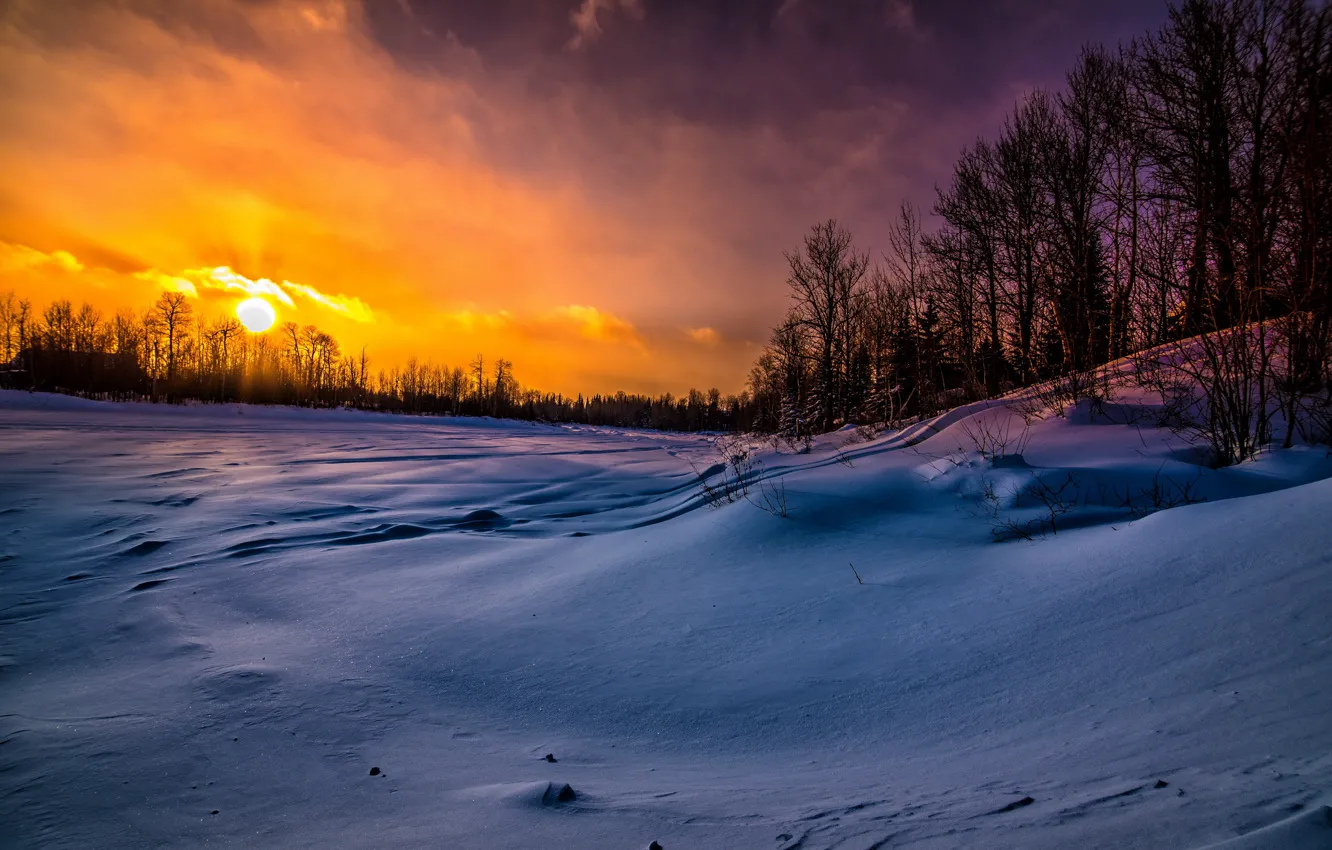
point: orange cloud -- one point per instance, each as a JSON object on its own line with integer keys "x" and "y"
{"x": 170, "y": 283}
{"x": 347, "y": 305}
{"x": 598, "y": 325}
{"x": 703, "y": 336}
{"x": 223, "y": 279}
{"x": 471, "y": 320}
{"x": 355, "y": 194}
{"x": 14, "y": 257}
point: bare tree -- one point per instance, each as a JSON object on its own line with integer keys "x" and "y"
{"x": 504, "y": 388}
{"x": 970, "y": 207}
{"x": 825, "y": 280}
{"x": 223, "y": 333}
{"x": 1017, "y": 180}
{"x": 1125, "y": 182}
{"x": 172, "y": 312}
{"x": 9, "y": 343}
{"x": 1303, "y": 240}
{"x": 479, "y": 388}
{"x": 1075, "y": 150}
{"x": 1185, "y": 80}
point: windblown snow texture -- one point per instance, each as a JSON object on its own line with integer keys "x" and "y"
{"x": 217, "y": 620}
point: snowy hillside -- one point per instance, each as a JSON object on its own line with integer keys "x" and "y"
{"x": 248, "y": 627}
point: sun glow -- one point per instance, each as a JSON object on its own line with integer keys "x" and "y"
{"x": 256, "y": 314}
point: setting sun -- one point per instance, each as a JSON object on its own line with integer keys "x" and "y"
{"x": 256, "y": 314}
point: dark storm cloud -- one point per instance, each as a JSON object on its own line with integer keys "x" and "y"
{"x": 773, "y": 59}
{"x": 946, "y": 71}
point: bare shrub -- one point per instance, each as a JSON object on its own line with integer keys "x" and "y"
{"x": 1216, "y": 389}
{"x": 1055, "y": 500}
{"x": 716, "y": 495}
{"x": 737, "y": 476}
{"x": 991, "y": 439}
{"x": 1057, "y": 396}
{"x": 1163, "y": 493}
{"x": 737, "y": 471}
{"x": 1030, "y": 408}
{"x": 1063, "y": 392}
{"x": 771, "y": 498}
{"x": 866, "y": 433}
{"x": 1314, "y": 418}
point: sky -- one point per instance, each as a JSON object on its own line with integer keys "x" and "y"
{"x": 600, "y": 191}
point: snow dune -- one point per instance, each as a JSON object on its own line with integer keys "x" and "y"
{"x": 217, "y": 620}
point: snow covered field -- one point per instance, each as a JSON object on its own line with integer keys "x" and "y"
{"x": 214, "y": 622}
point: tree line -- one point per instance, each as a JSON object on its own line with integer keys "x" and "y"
{"x": 1174, "y": 188}
{"x": 171, "y": 353}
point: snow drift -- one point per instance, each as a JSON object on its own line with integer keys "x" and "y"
{"x": 218, "y": 620}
